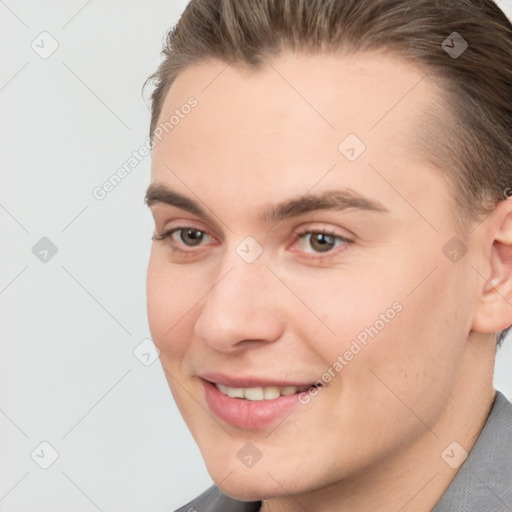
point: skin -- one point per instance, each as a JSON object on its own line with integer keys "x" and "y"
{"x": 372, "y": 438}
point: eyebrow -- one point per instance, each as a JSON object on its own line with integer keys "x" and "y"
{"x": 338, "y": 200}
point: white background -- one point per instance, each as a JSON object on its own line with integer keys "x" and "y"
{"x": 68, "y": 375}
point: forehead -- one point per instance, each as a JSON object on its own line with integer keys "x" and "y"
{"x": 288, "y": 122}
{"x": 358, "y": 89}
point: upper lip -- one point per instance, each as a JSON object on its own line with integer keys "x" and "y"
{"x": 250, "y": 382}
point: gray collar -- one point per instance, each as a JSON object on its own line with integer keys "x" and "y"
{"x": 484, "y": 482}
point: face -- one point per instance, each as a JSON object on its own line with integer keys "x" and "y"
{"x": 302, "y": 267}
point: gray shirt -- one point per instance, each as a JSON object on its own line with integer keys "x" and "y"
{"x": 483, "y": 483}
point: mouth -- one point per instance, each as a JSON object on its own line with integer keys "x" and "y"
{"x": 251, "y": 403}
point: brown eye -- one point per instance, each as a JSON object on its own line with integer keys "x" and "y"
{"x": 191, "y": 237}
{"x": 321, "y": 242}
{"x": 185, "y": 239}
{"x": 318, "y": 242}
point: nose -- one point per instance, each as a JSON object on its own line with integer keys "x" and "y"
{"x": 241, "y": 310}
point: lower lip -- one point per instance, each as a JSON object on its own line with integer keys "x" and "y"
{"x": 248, "y": 414}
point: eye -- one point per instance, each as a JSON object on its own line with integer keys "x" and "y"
{"x": 190, "y": 236}
{"x": 184, "y": 236}
{"x": 321, "y": 241}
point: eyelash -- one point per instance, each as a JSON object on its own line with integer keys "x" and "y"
{"x": 166, "y": 235}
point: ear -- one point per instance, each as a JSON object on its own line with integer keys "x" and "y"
{"x": 494, "y": 310}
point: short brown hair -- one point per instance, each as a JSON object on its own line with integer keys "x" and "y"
{"x": 470, "y": 133}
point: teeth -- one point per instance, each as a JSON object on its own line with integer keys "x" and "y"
{"x": 235, "y": 392}
{"x": 271, "y": 392}
{"x": 254, "y": 394}
{"x": 288, "y": 390}
{"x": 257, "y": 394}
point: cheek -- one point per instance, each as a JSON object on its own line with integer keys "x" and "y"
{"x": 376, "y": 332}
{"x": 172, "y": 295}
{"x": 339, "y": 307}
{"x": 412, "y": 360}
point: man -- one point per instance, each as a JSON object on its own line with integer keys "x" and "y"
{"x": 332, "y": 258}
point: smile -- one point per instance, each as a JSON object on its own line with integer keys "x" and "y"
{"x": 251, "y": 403}
{"x": 260, "y": 393}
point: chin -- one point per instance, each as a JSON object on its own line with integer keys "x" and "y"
{"x": 244, "y": 486}
{"x": 262, "y": 481}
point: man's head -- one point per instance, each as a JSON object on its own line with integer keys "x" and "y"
{"x": 340, "y": 187}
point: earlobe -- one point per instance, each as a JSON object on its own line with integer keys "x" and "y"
{"x": 494, "y": 312}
